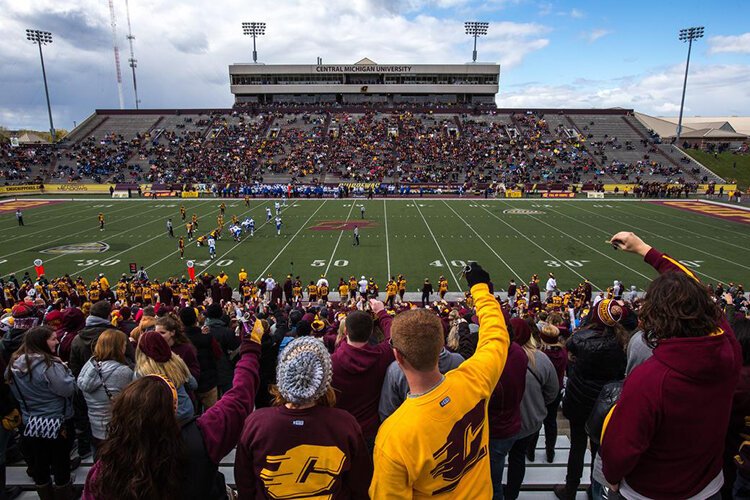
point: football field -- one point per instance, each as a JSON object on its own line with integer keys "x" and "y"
{"x": 418, "y": 238}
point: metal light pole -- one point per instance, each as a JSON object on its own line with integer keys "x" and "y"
{"x": 686, "y": 35}
{"x": 254, "y": 29}
{"x": 476, "y": 29}
{"x": 43, "y": 38}
{"x": 133, "y": 62}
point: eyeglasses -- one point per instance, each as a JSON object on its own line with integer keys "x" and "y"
{"x": 390, "y": 343}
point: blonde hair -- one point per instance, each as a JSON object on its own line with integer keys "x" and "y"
{"x": 175, "y": 369}
{"x": 530, "y": 348}
{"x": 111, "y": 344}
{"x": 146, "y": 323}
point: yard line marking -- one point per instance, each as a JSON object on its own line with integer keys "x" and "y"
{"x": 650, "y": 278}
{"x": 540, "y": 248}
{"x": 387, "y": 245}
{"x": 103, "y": 239}
{"x": 713, "y": 227}
{"x": 447, "y": 262}
{"x": 486, "y": 244}
{"x": 290, "y": 241}
{"x": 80, "y": 232}
{"x": 196, "y": 240}
{"x": 341, "y": 233}
{"x": 677, "y": 243}
{"x": 78, "y": 221}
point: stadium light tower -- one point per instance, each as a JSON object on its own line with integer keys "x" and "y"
{"x": 476, "y": 29}
{"x": 254, "y": 29}
{"x": 43, "y": 38}
{"x": 686, "y": 35}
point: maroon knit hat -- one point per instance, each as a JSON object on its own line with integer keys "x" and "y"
{"x": 155, "y": 347}
{"x": 521, "y": 331}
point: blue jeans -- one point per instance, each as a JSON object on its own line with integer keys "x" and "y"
{"x": 499, "y": 449}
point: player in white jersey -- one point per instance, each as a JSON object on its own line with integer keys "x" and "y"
{"x": 236, "y": 232}
{"x": 278, "y": 225}
{"x": 283, "y": 200}
{"x": 268, "y": 214}
{"x": 249, "y": 225}
{"x": 211, "y": 247}
{"x": 277, "y": 206}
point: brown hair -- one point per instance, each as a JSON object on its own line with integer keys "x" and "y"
{"x": 677, "y": 306}
{"x": 418, "y": 336}
{"x": 144, "y": 434}
{"x": 174, "y": 325}
{"x": 328, "y": 399}
{"x": 111, "y": 345}
{"x": 35, "y": 343}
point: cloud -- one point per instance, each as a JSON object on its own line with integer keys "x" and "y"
{"x": 576, "y": 14}
{"x": 190, "y": 42}
{"x": 712, "y": 90}
{"x": 595, "y": 35}
{"x": 732, "y": 43}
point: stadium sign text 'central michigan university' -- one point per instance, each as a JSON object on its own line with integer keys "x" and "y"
{"x": 363, "y": 68}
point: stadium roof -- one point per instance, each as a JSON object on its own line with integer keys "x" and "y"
{"x": 666, "y": 127}
{"x": 713, "y": 133}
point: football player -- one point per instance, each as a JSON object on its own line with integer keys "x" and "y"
{"x": 101, "y": 221}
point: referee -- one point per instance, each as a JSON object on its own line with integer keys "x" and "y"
{"x": 356, "y": 237}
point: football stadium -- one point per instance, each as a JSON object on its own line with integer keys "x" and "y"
{"x": 374, "y": 279}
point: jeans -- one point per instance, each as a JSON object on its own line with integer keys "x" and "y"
{"x": 550, "y": 426}
{"x": 45, "y": 455}
{"x": 516, "y": 467}
{"x": 499, "y": 449}
{"x": 578, "y": 441}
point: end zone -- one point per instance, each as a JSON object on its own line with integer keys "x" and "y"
{"x": 716, "y": 210}
{"x": 13, "y": 205}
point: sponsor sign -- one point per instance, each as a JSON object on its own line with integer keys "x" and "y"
{"x": 362, "y": 185}
{"x": 79, "y": 188}
{"x": 21, "y": 188}
{"x": 190, "y": 194}
{"x": 363, "y": 68}
{"x": 522, "y": 211}
{"x": 513, "y": 194}
{"x": 610, "y": 188}
{"x": 553, "y": 194}
{"x": 75, "y": 248}
{"x": 595, "y": 194}
{"x": 133, "y": 268}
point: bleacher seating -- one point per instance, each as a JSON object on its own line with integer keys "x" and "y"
{"x": 329, "y": 145}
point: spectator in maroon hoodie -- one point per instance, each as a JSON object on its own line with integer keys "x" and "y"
{"x": 553, "y": 346}
{"x": 359, "y": 368}
{"x": 504, "y": 409}
{"x": 665, "y": 437}
{"x": 171, "y": 329}
{"x": 302, "y": 447}
{"x": 73, "y": 322}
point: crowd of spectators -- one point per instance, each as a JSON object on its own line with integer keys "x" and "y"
{"x": 431, "y": 145}
{"x": 390, "y": 398}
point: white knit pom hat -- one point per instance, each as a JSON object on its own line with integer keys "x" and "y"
{"x": 304, "y": 371}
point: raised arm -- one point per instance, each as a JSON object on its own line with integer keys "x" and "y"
{"x": 221, "y": 425}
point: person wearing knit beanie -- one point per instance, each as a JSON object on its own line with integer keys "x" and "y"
{"x": 214, "y": 311}
{"x": 303, "y": 425}
{"x": 155, "y": 347}
{"x": 188, "y": 316}
{"x": 304, "y": 371}
{"x": 521, "y": 331}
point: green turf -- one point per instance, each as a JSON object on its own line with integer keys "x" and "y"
{"x": 424, "y": 238}
{"x": 723, "y": 164}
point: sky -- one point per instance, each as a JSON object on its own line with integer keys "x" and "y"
{"x": 595, "y": 54}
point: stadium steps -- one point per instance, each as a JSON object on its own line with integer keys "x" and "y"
{"x": 584, "y": 143}
{"x": 86, "y": 129}
{"x": 538, "y": 482}
{"x": 644, "y": 136}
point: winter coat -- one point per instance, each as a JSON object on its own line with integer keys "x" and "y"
{"x": 83, "y": 344}
{"x": 504, "y": 408}
{"x": 228, "y": 342}
{"x": 42, "y": 391}
{"x": 206, "y": 358}
{"x": 542, "y": 389}
{"x": 115, "y": 376}
{"x": 598, "y": 359}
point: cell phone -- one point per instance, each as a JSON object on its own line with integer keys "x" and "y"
{"x": 616, "y": 244}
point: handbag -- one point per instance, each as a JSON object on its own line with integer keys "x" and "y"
{"x": 608, "y": 397}
{"x": 99, "y": 371}
{"x": 41, "y": 427}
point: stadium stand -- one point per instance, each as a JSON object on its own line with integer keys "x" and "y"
{"x": 411, "y": 144}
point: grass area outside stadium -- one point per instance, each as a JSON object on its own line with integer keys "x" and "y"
{"x": 727, "y": 165}
{"x": 416, "y": 237}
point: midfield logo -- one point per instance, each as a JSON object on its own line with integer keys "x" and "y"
{"x": 93, "y": 247}
{"x": 522, "y": 211}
